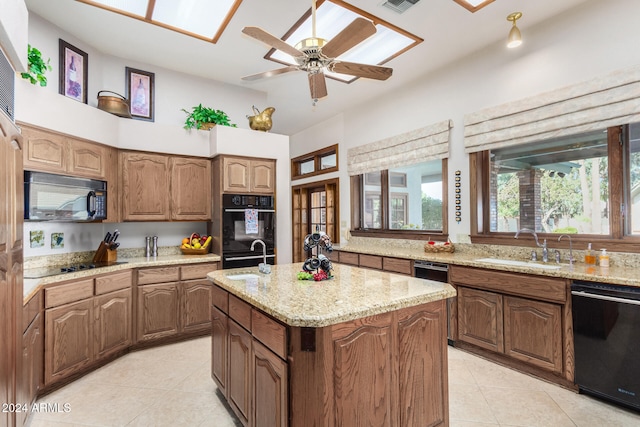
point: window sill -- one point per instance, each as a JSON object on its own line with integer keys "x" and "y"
{"x": 437, "y": 236}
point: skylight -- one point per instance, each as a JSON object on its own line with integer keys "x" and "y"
{"x": 203, "y": 19}
{"x": 473, "y": 5}
{"x": 332, "y": 16}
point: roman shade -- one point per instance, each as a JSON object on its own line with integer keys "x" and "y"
{"x": 419, "y": 145}
{"x": 599, "y": 103}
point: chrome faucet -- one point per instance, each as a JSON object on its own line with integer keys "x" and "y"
{"x": 545, "y": 250}
{"x": 263, "y": 267}
{"x": 571, "y": 260}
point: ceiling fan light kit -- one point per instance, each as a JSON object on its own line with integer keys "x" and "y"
{"x": 315, "y": 55}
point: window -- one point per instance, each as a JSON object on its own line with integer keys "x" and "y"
{"x": 405, "y": 200}
{"x": 586, "y": 185}
{"x": 318, "y": 162}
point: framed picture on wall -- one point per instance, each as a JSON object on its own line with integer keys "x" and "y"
{"x": 140, "y": 93}
{"x": 74, "y": 65}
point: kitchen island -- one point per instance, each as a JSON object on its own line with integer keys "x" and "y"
{"x": 365, "y": 348}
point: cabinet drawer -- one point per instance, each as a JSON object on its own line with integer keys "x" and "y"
{"x": 269, "y": 332}
{"x": 397, "y": 265}
{"x": 220, "y": 298}
{"x": 371, "y": 261}
{"x": 63, "y": 294}
{"x": 349, "y": 258}
{"x": 197, "y": 271}
{"x": 526, "y": 285}
{"x": 31, "y": 310}
{"x": 158, "y": 275}
{"x": 113, "y": 282}
{"x": 240, "y": 311}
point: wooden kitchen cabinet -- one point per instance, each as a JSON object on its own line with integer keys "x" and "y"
{"x": 32, "y": 373}
{"x": 145, "y": 185}
{"x": 523, "y": 317}
{"x": 245, "y": 175}
{"x": 158, "y": 187}
{"x": 190, "y": 189}
{"x": 68, "y": 339}
{"x": 239, "y": 385}
{"x": 269, "y": 388}
{"x": 173, "y": 301}
{"x": 480, "y": 318}
{"x": 196, "y": 305}
{"x": 533, "y": 332}
{"x": 248, "y": 361}
{"x": 48, "y": 151}
{"x": 219, "y": 348}
{"x": 113, "y": 331}
{"x": 158, "y": 311}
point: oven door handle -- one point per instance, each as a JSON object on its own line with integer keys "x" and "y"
{"x": 430, "y": 267}
{"x": 242, "y": 210}
{"x": 240, "y": 258}
{"x": 605, "y": 297}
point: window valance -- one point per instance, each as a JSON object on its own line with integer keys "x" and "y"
{"x": 419, "y": 145}
{"x": 599, "y": 103}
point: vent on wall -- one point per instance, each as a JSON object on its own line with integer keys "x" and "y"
{"x": 399, "y": 5}
{"x": 7, "y": 88}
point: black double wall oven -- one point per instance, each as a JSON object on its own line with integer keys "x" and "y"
{"x": 240, "y": 214}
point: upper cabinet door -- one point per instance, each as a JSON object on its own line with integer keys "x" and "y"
{"x": 44, "y": 151}
{"x": 87, "y": 159}
{"x": 235, "y": 175}
{"x": 190, "y": 189}
{"x": 145, "y": 186}
{"x": 263, "y": 176}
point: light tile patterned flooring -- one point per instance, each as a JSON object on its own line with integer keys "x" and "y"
{"x": 172, "y": 386}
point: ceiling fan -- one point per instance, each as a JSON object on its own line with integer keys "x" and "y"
{"x": 315, "y": 55}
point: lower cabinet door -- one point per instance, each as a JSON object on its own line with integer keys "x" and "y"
{"x": 219, "y": 331}
{"x": 158, "y": 311}
{"x": 480, "y": 318}
{"x": 239, "y": 387}
{"x": 270, "y": 408}
{"x": 113, "y": 330}
{"x": 533, "y": 332}
{"x": 196, "y": 306}
{"x": 32, "y": 366}
{"x": 69, "y": 339}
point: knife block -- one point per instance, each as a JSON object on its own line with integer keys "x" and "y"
{"x": 104, "y": 254}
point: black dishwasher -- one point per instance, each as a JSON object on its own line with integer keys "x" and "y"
{"x": 606, "y": 328}
{"x": 438, "y": 272}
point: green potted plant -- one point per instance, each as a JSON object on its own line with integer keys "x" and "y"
{"x": 205, "y": 118}
{"x": 37, "y": 67}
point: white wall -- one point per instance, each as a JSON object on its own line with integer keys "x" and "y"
{"x": 590, "y": 41}
{"x": 13, "y": 33}
{"x": 174, "y": 91}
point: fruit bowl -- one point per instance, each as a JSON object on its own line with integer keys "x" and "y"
{"x": 189, "y": 251}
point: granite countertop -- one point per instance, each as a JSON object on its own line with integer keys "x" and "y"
{"x": 31, "y": 286}
{"x": 352, "y": 293}
{"x": 619, "y": 273}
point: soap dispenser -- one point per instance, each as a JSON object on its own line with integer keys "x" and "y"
{"x": 604, "y": 258}
{"x": 590, "y": 257}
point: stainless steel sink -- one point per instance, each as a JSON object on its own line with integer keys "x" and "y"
{"x": 242, "y": 276}
{"x": 516, "y": 263}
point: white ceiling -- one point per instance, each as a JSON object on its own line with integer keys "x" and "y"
{"x": 450, "y": 32}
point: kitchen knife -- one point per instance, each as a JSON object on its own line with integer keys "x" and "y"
{"x": 116, "y": 233}
{"x": 107, "y": 237}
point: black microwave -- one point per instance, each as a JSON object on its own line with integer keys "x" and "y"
{"x": 50, "y": 197}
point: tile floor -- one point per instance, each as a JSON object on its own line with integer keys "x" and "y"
{"x": 172, "y": 386}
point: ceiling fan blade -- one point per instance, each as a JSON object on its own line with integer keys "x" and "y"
{"x": 271, "y": 40}
{"x": 317, "y": 85}
{"x": 361, "y": 70}
{"x": 354, "y": 33}
{"x": 270, "y": 73}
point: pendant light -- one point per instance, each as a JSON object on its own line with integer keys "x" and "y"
{"x": 515, "y": 38}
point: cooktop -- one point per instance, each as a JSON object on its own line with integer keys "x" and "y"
{"x": 38, "y": 273}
